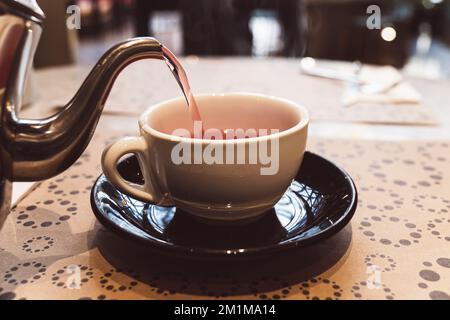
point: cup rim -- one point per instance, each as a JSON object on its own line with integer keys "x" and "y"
{"x": 304, "y": 120}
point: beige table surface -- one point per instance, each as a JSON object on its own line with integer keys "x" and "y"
{"x": 147, "y": 82}
{"x": 401, "y": 226}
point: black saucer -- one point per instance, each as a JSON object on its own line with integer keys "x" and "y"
{"x": 320, "y": 202}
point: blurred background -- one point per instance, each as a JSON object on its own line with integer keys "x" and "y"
{"x": 414, "y": 34}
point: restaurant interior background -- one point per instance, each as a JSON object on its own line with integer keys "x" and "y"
{"x": 393, "y": 143}
{"x": 415, "y": 34}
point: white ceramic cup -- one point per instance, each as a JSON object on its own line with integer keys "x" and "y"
{"x": 221, "y": 190}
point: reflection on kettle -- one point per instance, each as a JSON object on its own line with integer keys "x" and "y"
{"x": 33, "y": 150}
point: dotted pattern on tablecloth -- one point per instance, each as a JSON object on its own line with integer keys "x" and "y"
{"x": 396, "y": 246}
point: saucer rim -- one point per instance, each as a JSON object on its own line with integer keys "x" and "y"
{"x": 209, "y": 253}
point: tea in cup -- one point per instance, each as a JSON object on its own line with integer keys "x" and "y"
{"x": 233, "y": 167}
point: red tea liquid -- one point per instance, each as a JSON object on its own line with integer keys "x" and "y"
{"x": 180, "y": 74}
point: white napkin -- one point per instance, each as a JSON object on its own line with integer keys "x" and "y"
{"x": 393, "y": 89}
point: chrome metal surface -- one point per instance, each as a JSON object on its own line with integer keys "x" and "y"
{"x": 28, "y": 9}
{"x": 44, "y": 148}
{"x": 33, "y": 150}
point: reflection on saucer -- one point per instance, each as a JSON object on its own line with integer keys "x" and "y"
{"x": 319, "y": 202}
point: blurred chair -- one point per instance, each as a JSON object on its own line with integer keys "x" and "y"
{"x": 291, "y": 15}
{"x": 439, "y": 18}
{"x": 222, "y": 27}
{"x": 58, "y": 43}
{"x": 337, "y": 30}
{"x": 216, "y": 27}
{"x": 144, "y": 9}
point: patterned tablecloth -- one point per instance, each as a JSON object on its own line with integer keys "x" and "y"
{"x": 396, "y": 246}
{"x": 147, "y": 82}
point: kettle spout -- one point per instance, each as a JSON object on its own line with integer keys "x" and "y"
{"x": 40, "y": 149}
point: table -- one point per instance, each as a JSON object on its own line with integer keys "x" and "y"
{"x": 52, "y": 247}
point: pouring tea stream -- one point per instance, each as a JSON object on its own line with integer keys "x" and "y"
{"x": 32, "y": 150}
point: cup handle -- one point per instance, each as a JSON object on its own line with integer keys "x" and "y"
{"x": 112, "y": 154}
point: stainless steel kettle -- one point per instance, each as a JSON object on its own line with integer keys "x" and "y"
{"x": 33, "y": 150}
